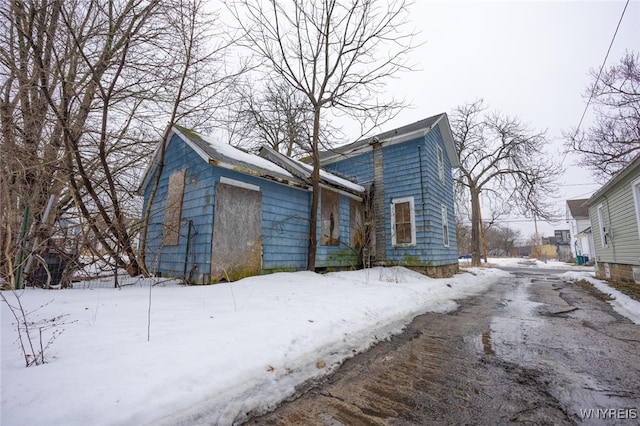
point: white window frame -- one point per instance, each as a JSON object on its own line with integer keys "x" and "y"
{"x": 635, "y": 188}
{"x": 412, "y": 213}
{"x": 601, "y": 227}
{"x": 440, "y": 164}
{"x": 445, "y": 226}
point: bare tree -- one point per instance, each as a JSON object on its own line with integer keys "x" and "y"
{"x": 276, "y": 115}
{"x": 336, "y": 53}
{"x": 614, "y": 138}
{"x": 86, "y": 89}
{"x": 502, "y": 158}
{"x": 502, "y": 239}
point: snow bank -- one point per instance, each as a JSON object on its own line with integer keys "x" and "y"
{"x": 216, "y": 353}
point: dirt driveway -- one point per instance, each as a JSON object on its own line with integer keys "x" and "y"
{"x": 533, "y": 350}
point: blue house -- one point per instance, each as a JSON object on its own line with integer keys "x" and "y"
{"x": 221, "y": 213}
{"x": 410, "y": 197}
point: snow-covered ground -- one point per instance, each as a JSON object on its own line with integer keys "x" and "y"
{"x": 526, "y": 262}
{"x": 214, "y": 353}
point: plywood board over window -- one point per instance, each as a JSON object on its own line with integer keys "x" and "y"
{"x": 236, "y": 251}
{"x": 356, "y": 223}
{"x": 330, "y": 218}
{"x": 173, "y": 209}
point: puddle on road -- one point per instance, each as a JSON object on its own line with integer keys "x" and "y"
{"x": 521, "y": 334}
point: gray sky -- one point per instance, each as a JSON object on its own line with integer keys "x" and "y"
{"x": 524, "y": 58}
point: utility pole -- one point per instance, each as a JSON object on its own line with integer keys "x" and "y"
{"x": 535, "y": 237}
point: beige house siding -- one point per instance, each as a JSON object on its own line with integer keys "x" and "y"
{"x": 620, "y": 219}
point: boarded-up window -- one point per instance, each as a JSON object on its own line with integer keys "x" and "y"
{"x": 173, "y": 209}
{"x": 356, "y": 223}
{"x": 330, "y": 217}
{"x": 403, "y": 228}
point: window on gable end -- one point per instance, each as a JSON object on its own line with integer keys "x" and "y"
{"x": 173, "y": 209}
{"x": 403, "y": 227}
{"x": 440, "y": 164}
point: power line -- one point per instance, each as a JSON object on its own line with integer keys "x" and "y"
{"x": 579, "y": 184}
{"x": 593, "y": 89}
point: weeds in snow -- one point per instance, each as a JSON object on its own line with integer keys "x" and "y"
{"x": 35, "y": 336}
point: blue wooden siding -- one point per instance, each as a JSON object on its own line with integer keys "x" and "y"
{"x": 285, "y": 226}
{"x": 197, "y": 206}
{"x": 358, "y": 168}
{"x": 438, "y": 194}
{"x": 285, "y": 218}
{"x": 403, "y": 177}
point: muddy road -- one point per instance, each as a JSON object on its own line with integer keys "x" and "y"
{"x": 532, "y": 350}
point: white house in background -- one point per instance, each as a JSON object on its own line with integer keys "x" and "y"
{"x": 580, "y": 227}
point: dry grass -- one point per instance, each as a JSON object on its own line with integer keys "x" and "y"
{"x": 592, "y": 290}
{"x": 630, "y": 289}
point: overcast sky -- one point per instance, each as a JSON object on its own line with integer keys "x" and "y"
{"x": 524, "y": 58}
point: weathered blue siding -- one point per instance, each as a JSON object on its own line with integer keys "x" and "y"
{"x": 358, "y": 168}
{"x": 285, "y": 218}
{"x": 198, "y": 203}
{"x": 410, "y": 169}
{"x": 285, "y": 227}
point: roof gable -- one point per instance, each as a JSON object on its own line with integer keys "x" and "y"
{"x": 223, "y": 155}
{"x": 270, "y": 164}
{"x": 399, "y": 135}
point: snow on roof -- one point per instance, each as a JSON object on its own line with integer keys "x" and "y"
{"x": 222, "y": 152}
{"x": 303, "y": 171}
{"x": 336, "y": 180}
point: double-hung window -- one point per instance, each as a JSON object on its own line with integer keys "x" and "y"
{"x": 403, "y": 224}
{"x": 445, "y": 226}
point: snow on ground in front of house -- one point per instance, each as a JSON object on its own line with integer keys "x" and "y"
{"x": 215, "y": 352}
{"x": 621, "y": 303}
{"x": 526, "y": 262}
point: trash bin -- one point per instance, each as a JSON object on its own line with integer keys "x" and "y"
{"x": 585, "y": 260}
{"x": 579, "y": 260}
{"x": 55, "y": 264}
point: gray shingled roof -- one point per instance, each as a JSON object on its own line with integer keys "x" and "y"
{"x": 427, "y": 122}
{"x": 424, "y": 125}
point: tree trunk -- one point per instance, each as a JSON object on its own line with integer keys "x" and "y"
{"x": 315, "y": 194}
{"x": 475, "y": 226}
